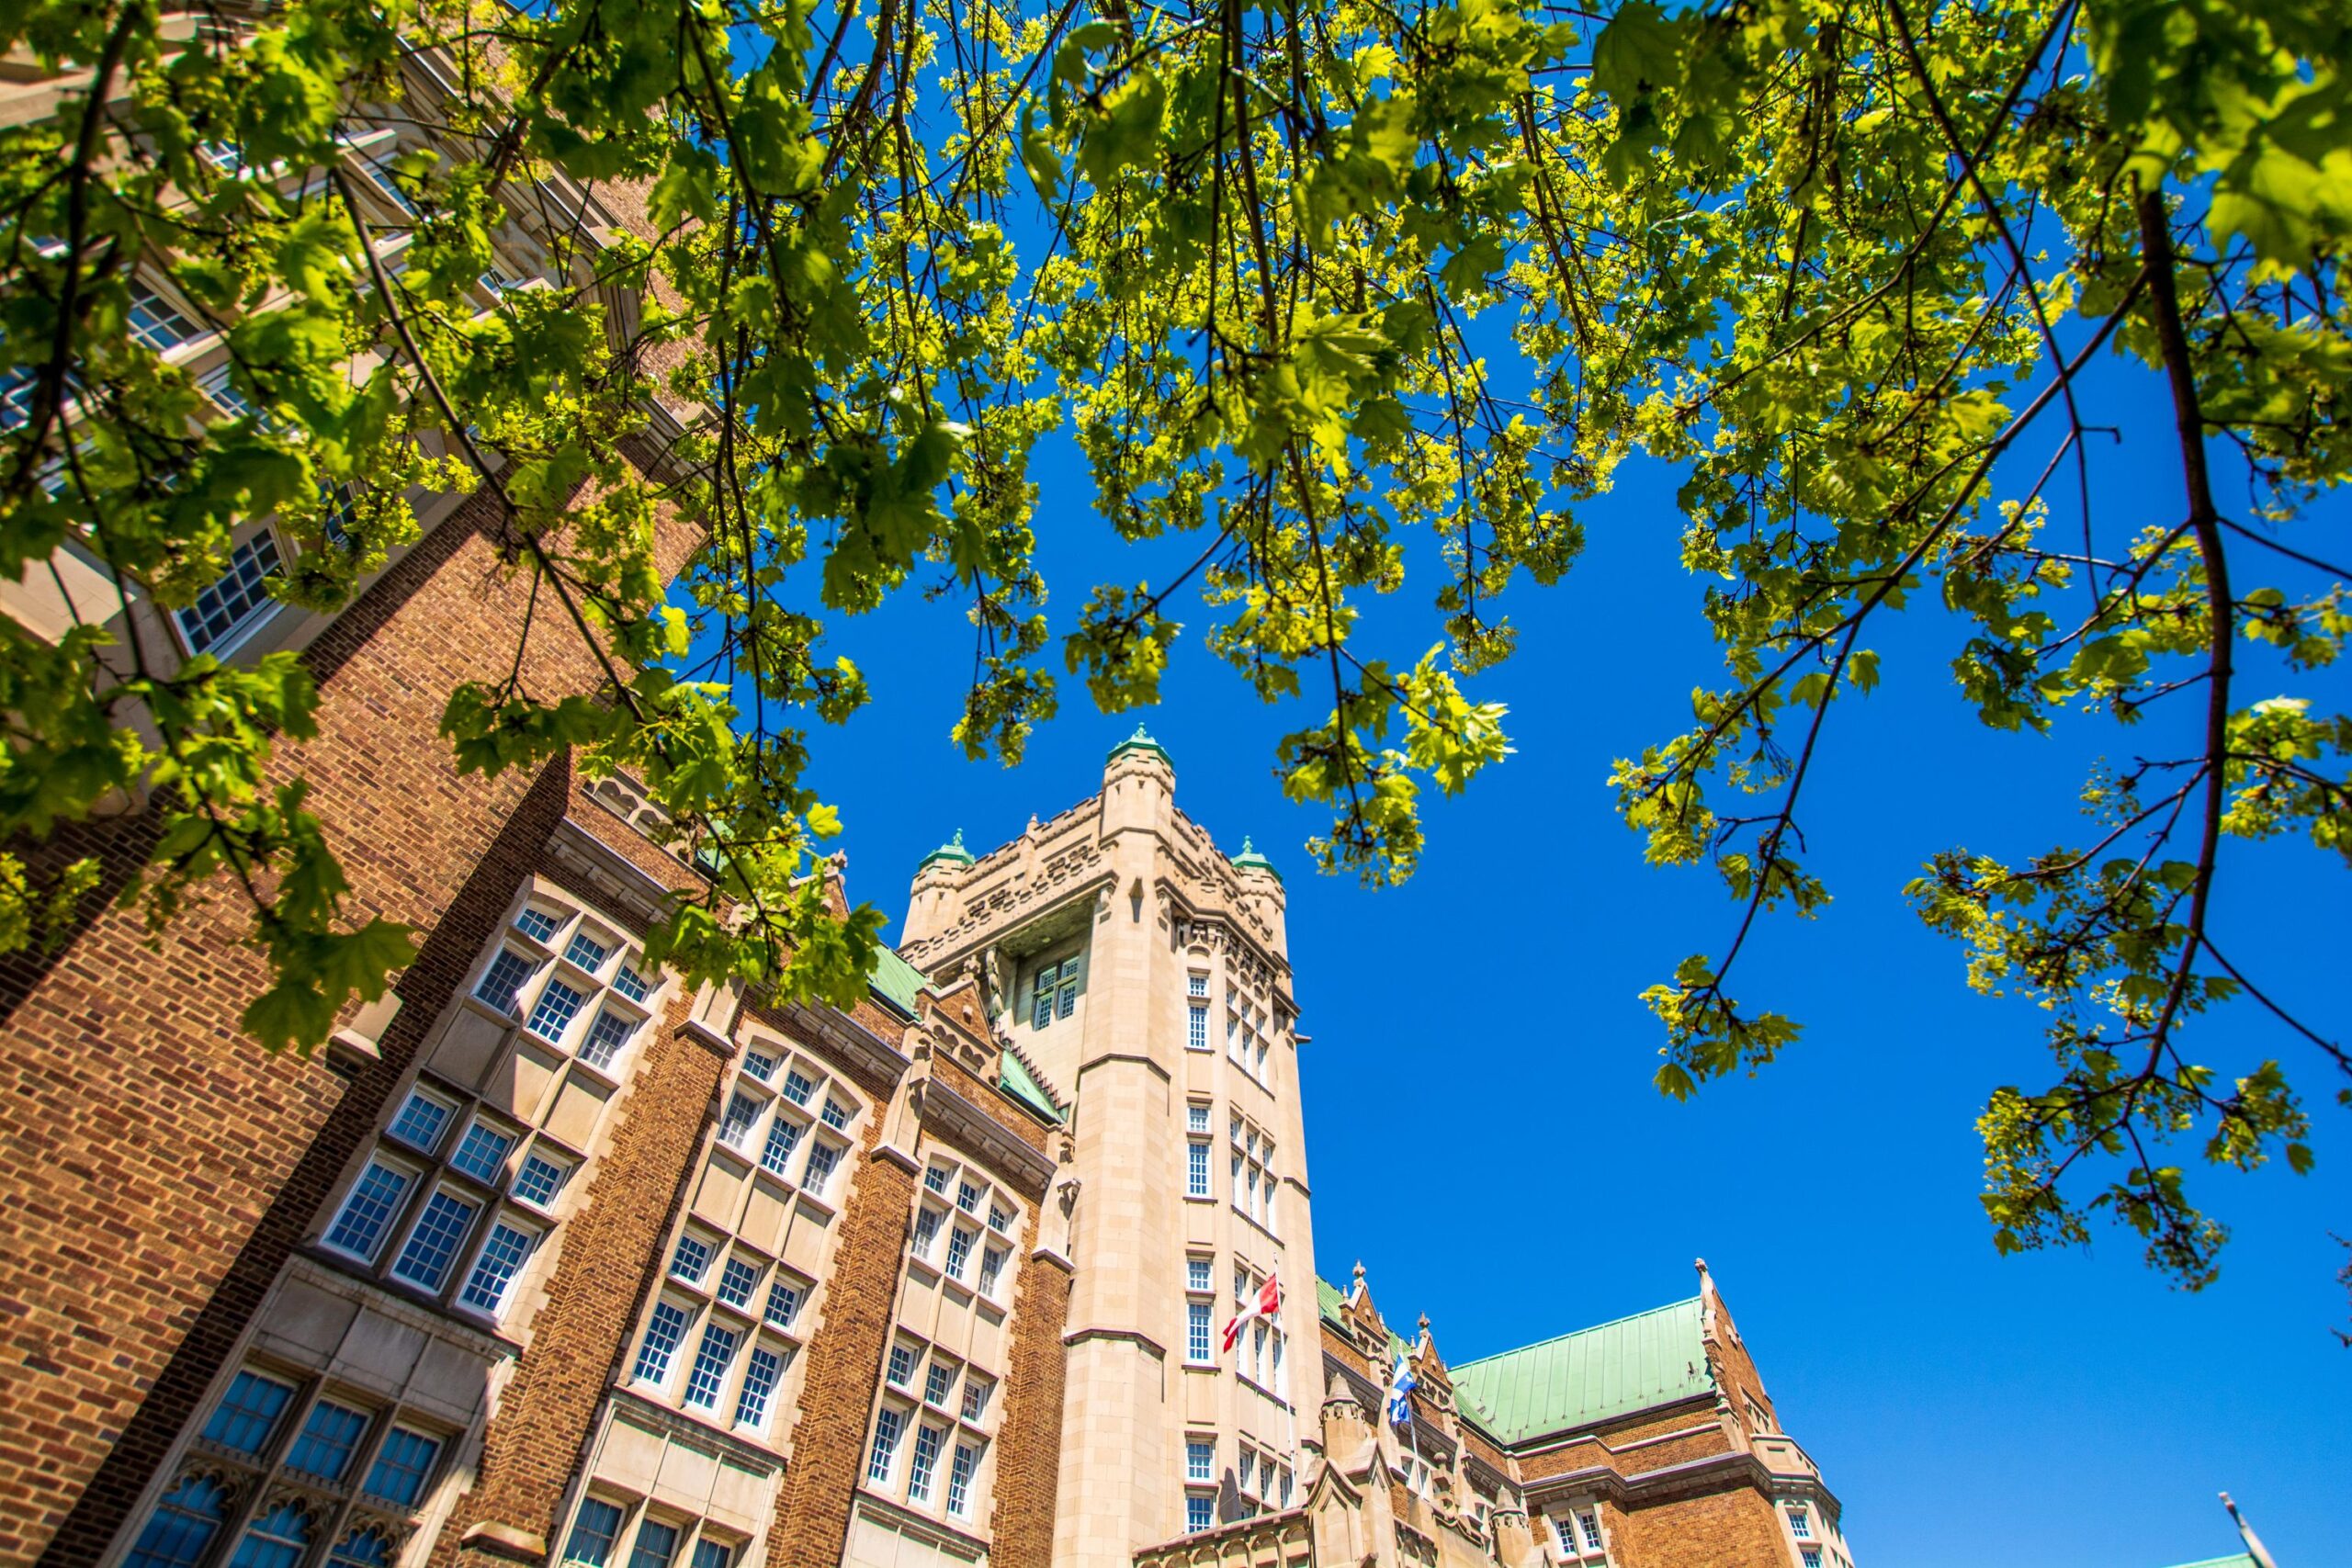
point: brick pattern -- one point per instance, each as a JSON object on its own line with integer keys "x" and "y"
{"x": 844, "y": 1362}
{"x": 1029, "y": 1436}
{"x": 158, "y": 1167}
{"x": 1724, "y": 1529}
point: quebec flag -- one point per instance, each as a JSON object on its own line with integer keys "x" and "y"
{"x": 1400, "y": 1408}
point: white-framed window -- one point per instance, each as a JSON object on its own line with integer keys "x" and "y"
{"x": 423, "y": 1119}
{"x": 435, "y": 1240}
{"x": 1200, "y": 1511}
{"x": 977, "y": 1393}
{"x": 1196, "y": 1116}
{"x": 1196, "y": 1168}
{"x": 966, "y": 1465}
{"x": 713, "y": 1356}
{"x": 741, "y": 1119}
{"x": 368, "y": 1213}
{"x": 739, "y": 1280}
{"x": 1200, "y": 1459}
{"x": 507, "y": 974}
{"x": 664, "y": 1332}
{"x": 900, "y": 1370}
{"x": 1800, "y": 1521}
{"x": 541, "y": 1178}
{"x": 922, "y": 1466}
{"x": 1196, "y": 1027}
{"x": 824, "y": 1158}
{"x": 540, "y": 925}
{"x": 656, "y": 1545}
{"x": 587, "y": 952}
{"x": 1810, "y": 1556}
{"x": 761, "y": 1374}
{"x": 959, "y": 1250}
{"x": 785, "y": 1297}
{"x": 1589, "y": 1524}
{"x": 1198, "y": 1273}
{"x": 882, "y": 1458}
{"x": 1053, "y": 991}
{"x": 1197, "y": 983}
{"x": 481, "y": 1153}
{"x": 156, "y": 322}
{"x": 1196, "y": 1333}
{"x": 504, "y": 1253}
{"x": 939, "y": 1382}
{"x": 237, "y": 598}
{"x": 690, "y": 1260}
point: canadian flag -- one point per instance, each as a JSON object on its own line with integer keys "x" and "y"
{"x": 1269, "y": 1302}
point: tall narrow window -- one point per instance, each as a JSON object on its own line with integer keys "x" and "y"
{"x": 925, "y": 1464}
{"x": 784, "y": 1135}
{"x": 887, "y": 1426}
{"x": 959, "y": 1251}
{"x": 661, "y": 1338}
{"x": 403, "y": 1466}
{"x": 368, "y": 1213}
{"x": 502, "y": 1258}
{"x": 558, "y": 1006}
{"x": 711, "y": 1361}
{"x": 1196, "y": 1332}
{"x": 1196, "y": 1027}
{"x": 440, "y": 1232}
{"x": 1200, "y": 1459}
{"x": 822, "y": 1158}
{"x": 959, "y": 1479}
{"x": 760, "y": 1377}
{"x": 606, "y": 1037}
{"x": 1196, "y": 1168}
{"x": 743, "y": 1116}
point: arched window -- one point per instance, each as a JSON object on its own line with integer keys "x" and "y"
{"x": 183, "y": 1525}
{"x": 361, "y": 1549}
{"x": 277, "y": 1539}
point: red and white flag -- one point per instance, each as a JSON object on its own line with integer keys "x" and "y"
{"x": 1269, "y": 1302}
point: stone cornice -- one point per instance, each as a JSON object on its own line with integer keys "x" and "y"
{"x": 957, "y": 1121}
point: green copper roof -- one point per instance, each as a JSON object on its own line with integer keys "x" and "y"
{"x": 1250, "y": 860}
{"x": 896, "y": 981}
{"x": 952, "y": 852}
{"x": 1017, "y": 1080}
{"x": 1652, "y": 1358}
{"x": 1141, "y": 741}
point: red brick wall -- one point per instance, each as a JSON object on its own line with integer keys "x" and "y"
{"x": 158, "y": 1165}
{"x": 1029, "y": 1440}
{"x": 844, "y": 1362}
{"x": 1724, "y": 1529}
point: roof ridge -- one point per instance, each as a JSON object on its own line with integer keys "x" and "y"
{"x": 1458, "y": 1368}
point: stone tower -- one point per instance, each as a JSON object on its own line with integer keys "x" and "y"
{"x": 1146, "y": 974}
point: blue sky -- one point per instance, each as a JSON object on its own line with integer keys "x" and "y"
{"x": 1482, "y": 1130}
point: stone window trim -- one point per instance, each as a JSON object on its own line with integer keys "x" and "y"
{"x": 785, "y": 1116}
{"x": 630, "y": 1513}
{"x": 955, "y": 1237}
{"x": 705, "y": 1304}
{"x": 921, "y": 1401}
{"x": 543, "y": 927}
{"x": 253, "y": 1482}
{"x": 479, "y": 1250}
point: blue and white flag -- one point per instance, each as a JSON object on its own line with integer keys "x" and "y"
{"x": 1400, "y": 1408}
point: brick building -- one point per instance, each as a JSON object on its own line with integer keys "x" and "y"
{"x": 550, "y": 1259}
